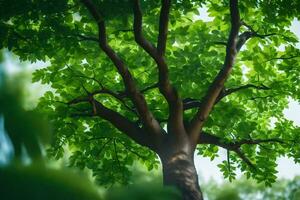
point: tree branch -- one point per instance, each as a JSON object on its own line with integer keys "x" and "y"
{"x": 232, "y": 90}
{"x": 136, "y": 133}
{"x": 216, "y": 87}
{"x": 123, "y": 94}
{"x": 137, "y": 98}
{"x": 87, "y": 38}
{"x": 117, "y": 158}
{"x": 128, "y": 148}
{"x": 149, "y": 88}
{"x": 103, "y": 146}
{"x": 242, "y": 39}
{"x": 101, "y": 91}
{"x": 245, "y": 159}
{"x": 255, "y": 33}
{"x": 138, "y": 31}
{"x": 189, "y": 103}
{"x": 163, "y": 27}
{"x": 247, "y": 35}
{"x": 175, "y": 121}
{"x": 283, "y": 58}
{"x": 207, "y": 138}
{"x": 228, "y": 160}
{"x": 78, "y": 100}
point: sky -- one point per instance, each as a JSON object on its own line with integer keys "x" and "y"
{"x": 206, "y": 168}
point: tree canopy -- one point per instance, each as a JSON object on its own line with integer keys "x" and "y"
{"x": 107, "y": 77}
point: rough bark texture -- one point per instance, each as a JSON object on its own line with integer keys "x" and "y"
{"x": 178, "y": 166}
{"x": 179, "y": 171}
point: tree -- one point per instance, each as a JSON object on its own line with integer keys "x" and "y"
{"x": 133, "y": 80}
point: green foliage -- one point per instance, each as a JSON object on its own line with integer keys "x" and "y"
{"x": 49, "y": 31}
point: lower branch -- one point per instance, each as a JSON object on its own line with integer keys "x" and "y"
{"x": 235, "y": 146}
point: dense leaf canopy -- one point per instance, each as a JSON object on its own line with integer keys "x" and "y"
{"x": 265, "y": 77}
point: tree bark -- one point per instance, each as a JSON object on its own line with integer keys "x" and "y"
{"x": 179, "y": 171}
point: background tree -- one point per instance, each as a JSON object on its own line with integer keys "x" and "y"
{"x": 249, "y": 189}
{"x": 135, "y": 79}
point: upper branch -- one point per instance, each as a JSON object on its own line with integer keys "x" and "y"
{"x": 165, "y": 87}
{"x": 138, "y": 31}
{"x": 284, "y": 58}
{"x": 137, "y": 98}
{"x": 189, "y": 103}
{"x": 229, "y": 91}
{"x": 163, "y": 27}
{"x": 103, "y": 90}
{"x": 218, "y": 83}
{"x": 242, "y": 39}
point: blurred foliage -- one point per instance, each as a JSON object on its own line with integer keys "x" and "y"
{"x": 243, "y": 189}
{"x": 35, "y": 182}
{"x": 26, "y": 129}
{"x": 42, "y": 30}
{"x": 144, "y": 191}
{"x": 29, "y": 131}
{"x": 144, "y": 185}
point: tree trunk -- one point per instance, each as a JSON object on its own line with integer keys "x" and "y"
{"x": 179, "y": 171}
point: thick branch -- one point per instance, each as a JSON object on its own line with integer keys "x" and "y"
{"x": 137, "y": 98}
{"x": 124, "y": 125}
{"x": 165, "y": 87}
{"x": 138, "y": 31}
{"x": 218, "y": 83}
